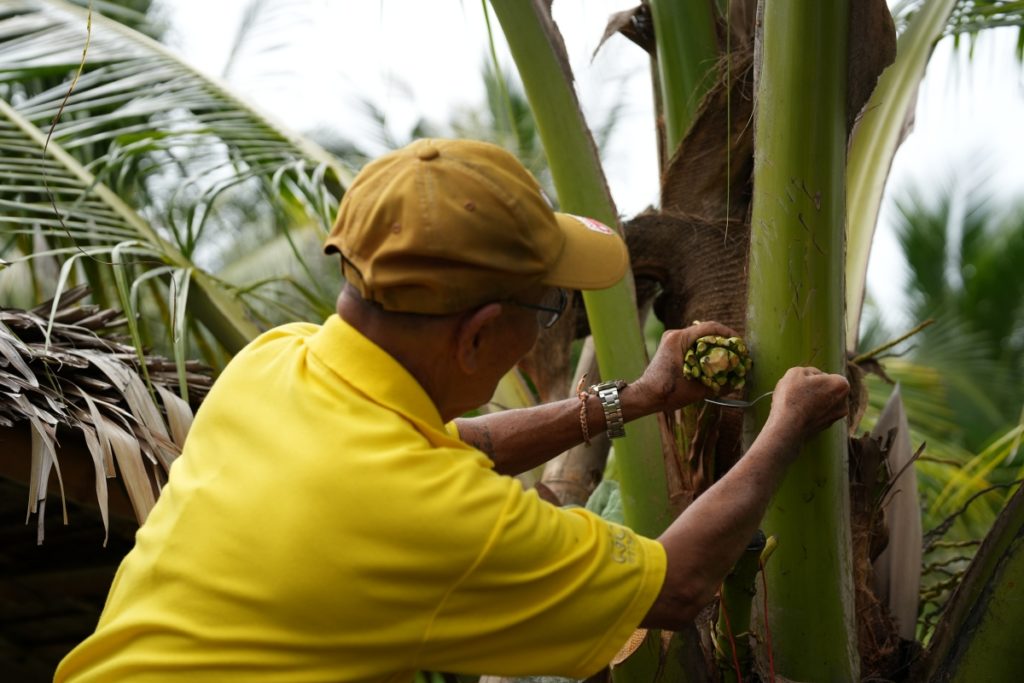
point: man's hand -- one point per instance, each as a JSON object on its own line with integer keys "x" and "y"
{"x": 663, "y": 385}
{"x": 720, "y": 522}
{"x": 807, "y": 400}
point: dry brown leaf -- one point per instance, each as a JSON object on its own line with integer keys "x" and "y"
{"x": 133, "y": 470}
{"x": 12, "y": 349}
{"x": 98, "y": 453}
{"x": 42, "y": 452}
{"x": 179, "y": 415}
{"x": 635, "y": 24}
{"x": 44, "y": 459}
{"x": 165, "y": 453}
{"x": 90, "y": 383}
{"x": 38, "y": 458}
{"x": 52, "y": 465}
{"x": 143, "y": 409}
{"x": 101, "y": 434}
{"x": 131, "y": 386}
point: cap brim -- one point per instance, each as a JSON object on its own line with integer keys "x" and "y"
{"x": 594, "y": 256}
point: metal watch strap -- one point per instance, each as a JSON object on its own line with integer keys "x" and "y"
{"x": 608, "y": 393}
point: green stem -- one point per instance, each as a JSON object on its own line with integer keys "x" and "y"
{"x": 579, "y": 179}
{"x": 684, "y": 31}
{"x": 795, "y": 312}
{"x": 868, "y": 355}
{"x": 732, "y": 630}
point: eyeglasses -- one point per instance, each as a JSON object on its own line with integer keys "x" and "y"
{"x": 550, "y": 308}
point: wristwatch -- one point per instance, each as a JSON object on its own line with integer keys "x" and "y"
{"x": 608, "y": 393}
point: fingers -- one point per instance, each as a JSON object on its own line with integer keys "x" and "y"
{"x": 664, "y": 379}
{"x": 811, "y": 398}
{"x": 711, "y": 327}
{"x": 680, "y": 340}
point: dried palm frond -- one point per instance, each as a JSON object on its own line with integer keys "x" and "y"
{"x": 87, "y": 380}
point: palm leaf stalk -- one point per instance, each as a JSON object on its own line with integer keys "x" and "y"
{"x": 972, "y": 642}
{"x": 539, "y": 54}
{"x": 684, "y": 31}
{"x": 140, "y": 164}
{"x": 543, "y": 65}
{"x": 795, "y": 317}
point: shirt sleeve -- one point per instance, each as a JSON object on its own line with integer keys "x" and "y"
{"x": 554, "y": 591}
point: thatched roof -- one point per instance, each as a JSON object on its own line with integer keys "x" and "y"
{"x": 63, "y": 374}
{"x": 77, "y": 421}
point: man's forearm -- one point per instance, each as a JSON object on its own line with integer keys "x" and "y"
{"x": 521, "y": 439}
{"x": 705, "y": 541}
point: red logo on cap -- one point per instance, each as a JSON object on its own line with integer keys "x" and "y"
{"x": 595, "y": 226}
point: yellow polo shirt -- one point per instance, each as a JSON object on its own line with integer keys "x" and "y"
{"x": 322, "y": 525}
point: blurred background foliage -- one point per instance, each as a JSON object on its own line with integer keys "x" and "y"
{"x": 962, "y": 378}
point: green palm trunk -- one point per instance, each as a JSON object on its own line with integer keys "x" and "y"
{"x": 796, "y": 318}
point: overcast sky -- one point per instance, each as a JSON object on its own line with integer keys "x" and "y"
{"x": 310, "y": 65}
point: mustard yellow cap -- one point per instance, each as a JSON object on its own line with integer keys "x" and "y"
{"x": 444, "y": 226}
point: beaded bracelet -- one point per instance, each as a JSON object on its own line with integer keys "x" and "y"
{"x": 582, "y": 394}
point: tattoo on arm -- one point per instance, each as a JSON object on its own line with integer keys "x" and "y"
{"x": 480, "y": 439}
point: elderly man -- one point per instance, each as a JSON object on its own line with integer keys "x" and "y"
{"x": 328, "y": 521}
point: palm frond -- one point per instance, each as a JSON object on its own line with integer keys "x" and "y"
{"x": 967, "y": 16}
{"x": 963, "y": 251}
{"x": 262, "y": 31}
{"x": 140, "y": 15}
{"x": 976, "y": 473}
{"x": 972, "y": 16}
{"x": 147, "y": 153}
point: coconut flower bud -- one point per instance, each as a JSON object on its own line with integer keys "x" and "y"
{"x": 717, "y": 362}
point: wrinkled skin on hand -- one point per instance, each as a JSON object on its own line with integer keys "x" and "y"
{"x": 807, "y": 400}
{"x": 663, "y": 383}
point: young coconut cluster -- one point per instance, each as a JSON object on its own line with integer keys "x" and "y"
{"x": 718, "y": 362}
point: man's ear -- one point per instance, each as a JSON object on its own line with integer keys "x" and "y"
{"x": 471, "y": 334}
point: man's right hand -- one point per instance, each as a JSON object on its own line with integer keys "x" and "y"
{"x": 807, "y": 400}
{"x": 702, "y": 545}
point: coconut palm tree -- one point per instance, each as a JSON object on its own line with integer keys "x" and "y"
{"x": 800, "y": 182}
